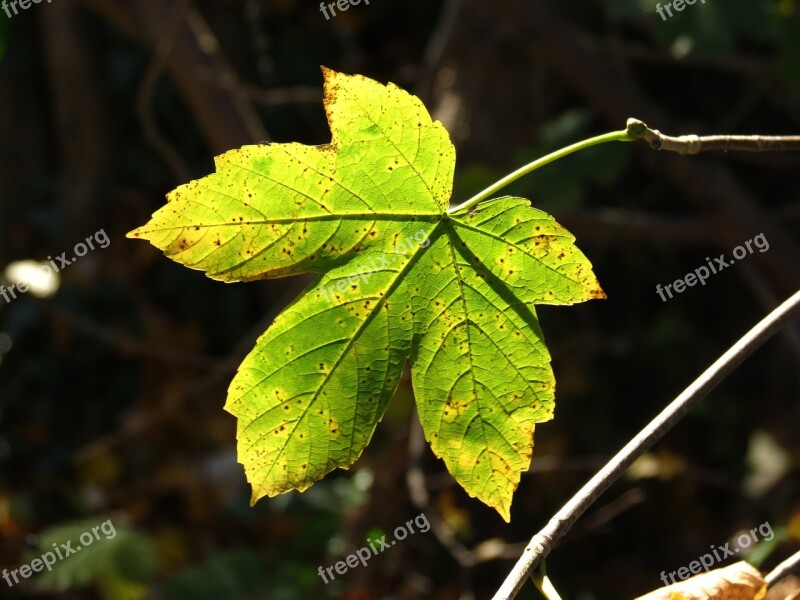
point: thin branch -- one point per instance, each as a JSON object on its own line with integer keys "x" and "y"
{"x": 439, "y": 43}
{"x": 265, "y": 97}
{"x": 783, "y": 569}
{"x": 694, "y": 144}
{"x": 542, "y": 543}
{"x": 150, "y": 129}
{"x": 208, "y": 44}
{"x": 127, "y": 344}
{"x": 138, "y": 422}
{"x": 415, "y": 479}
{"x": 606, "y": 514}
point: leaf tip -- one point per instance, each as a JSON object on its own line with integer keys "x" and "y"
{"x": 260, "y": 491}
{"x": 328, "y": 74}
{"x": 505, "y": 512}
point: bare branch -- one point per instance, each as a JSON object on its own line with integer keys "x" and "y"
{"x": 542, "y": 543}
{"x": 783, "y": 569}
{"x": 695, "y": 144}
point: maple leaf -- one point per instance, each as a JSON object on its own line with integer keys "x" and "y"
{"x": 402, "y": 277}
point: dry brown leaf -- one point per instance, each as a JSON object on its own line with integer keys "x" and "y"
{"x": 787, "y": 588}
{"x": 739, "y": 581}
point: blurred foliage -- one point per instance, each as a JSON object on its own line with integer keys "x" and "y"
{"x": 241, "y": 575}
{"x": 120, "y": 561}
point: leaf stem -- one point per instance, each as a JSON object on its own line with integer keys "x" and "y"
{"x": 614, "y": 136}
{"x": 637, "y": 130}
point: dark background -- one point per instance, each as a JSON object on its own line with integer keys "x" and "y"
{"x": 111, "y": 391}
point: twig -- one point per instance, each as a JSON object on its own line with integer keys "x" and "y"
{"x": 276, "y": 97}
{"x": 255, "y": 16}
{"x": 437, "y": 47}
{"x": 415, "y": 479}
{"x": 783, "y": 569}
{"x": 619, "y": 225}
{"x": 127, "y": 344}
{"x": 606, "y": 514}
{"x": 542, "y": 543}
{"x": 139, "y": 421}
{"x": 150, "y": 129}
{"x": 208, "y": 43}
{"x": 695, "y": 144}
{"x": 225, "y": 120}
{"x": 766, "y": 296}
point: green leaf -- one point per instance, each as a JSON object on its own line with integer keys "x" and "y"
{"x": 402, "y": 278}
{"x": 120, "y": 561}
{"x": 242, "y": 575}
